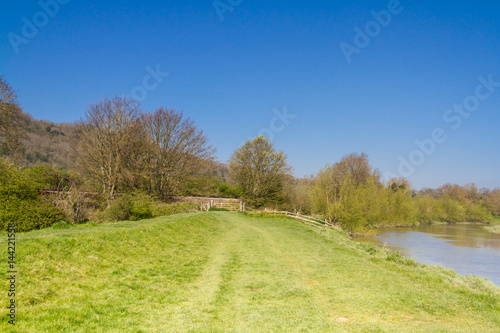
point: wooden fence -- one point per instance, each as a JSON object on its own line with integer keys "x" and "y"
{"x": 234, "y": 205}
{"x": 309, "y": 220}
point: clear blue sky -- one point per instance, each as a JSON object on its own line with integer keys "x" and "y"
{"x": 229, "y": 75}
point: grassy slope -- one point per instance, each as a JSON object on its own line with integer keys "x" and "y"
{"x": 217, "y": 271}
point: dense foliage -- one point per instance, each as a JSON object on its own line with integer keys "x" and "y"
{"x": 351, "y": 194}
{"x": 20, "y": 202}
{"x": 259, "y": 171}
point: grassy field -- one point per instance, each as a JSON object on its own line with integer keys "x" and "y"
{"x": 226, "y": 272}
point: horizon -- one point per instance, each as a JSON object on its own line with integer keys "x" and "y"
{"x": 416, "y": 86}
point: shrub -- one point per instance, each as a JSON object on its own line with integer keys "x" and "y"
{"x": 118, "y": 210}
{"x": 215, "y": 209}
{"x": 454, "y": 211}
{"x": 400, "y": 259}
{"x": 20, "y": 202}
{"x": 78, "y": 205}
{"x": 370, "y": 248}
{"x": 14, "y": 184}
{"x": 62, "y": 225}
{"x": 477, "y": 213}
{"x": 30, "y": 214}
{"x": 164, "y": 209}
{"x": 267, "y": 215}
{"x": 141, "y": 207}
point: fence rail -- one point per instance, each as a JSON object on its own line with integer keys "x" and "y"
{"x": 309, "y": 220}
{"x": 234, "y": 205}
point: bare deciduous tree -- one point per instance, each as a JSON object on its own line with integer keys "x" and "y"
{"x": 299, "y": 191}
{"x": 11, "y": 117}
{"x": 107, "y": 140}
{"x": 177, "y": 149}
{"x": 355, "y": 166}
{"x": 454, "y": 191}
{"x": 491, "y": 199}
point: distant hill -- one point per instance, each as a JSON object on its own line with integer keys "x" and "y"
{"x": 45, "y": 142}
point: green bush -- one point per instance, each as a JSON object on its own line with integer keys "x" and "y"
{"x": 453, "y": 210}
{"x": 118, "y": 210}
{"x": 477, "y": 213}
{"x": 267, "y": 215}
{"x": 370, "y": 248}
{"x": 164, "y": 209}
{"x": 215, "y": 209}
{"x": 14, "y": 185}
{"x": 30, "y": 214}
{"x": 62, "y": 225}
{"x": 400, "y": 259}
{"x": 141, "y": 207}
{"x": 20, "y": 202}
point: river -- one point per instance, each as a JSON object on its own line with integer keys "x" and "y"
{"x": 469, "y": 249}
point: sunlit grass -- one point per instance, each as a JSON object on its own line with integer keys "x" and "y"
{"x": 493, "y": 228}
{"x": 218, "y": 272}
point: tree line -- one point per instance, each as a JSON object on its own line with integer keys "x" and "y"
{"x": 135, "y": 162}
{"x": 352, "y": 194}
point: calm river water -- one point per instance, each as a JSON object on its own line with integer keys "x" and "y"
{"x": 467, "y": 248}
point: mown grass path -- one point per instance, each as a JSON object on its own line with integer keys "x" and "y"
{"x": 225, "y": 272}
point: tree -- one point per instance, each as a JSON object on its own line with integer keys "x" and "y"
{"x": 298, "y": 193}
{"x": 20, "y": 202}
{"x": 350, "y": 193}
{"x": 11, "y": 117}
{"x": 454, "y": 191}
{"x": 400, "y": 183}
{"x": 352, "y": 170}
{"x": 177, "y": 150}
{"x": 472, "y": 192}
{"x": 355, "y": 166}
{"x": 491, "y": 199}
{"x": 259, "y": 170}
{"x": 108, "y": 143}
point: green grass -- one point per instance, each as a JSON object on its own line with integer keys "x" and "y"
{"x": 226, "y": 272}
{"x": 495, "y": 228}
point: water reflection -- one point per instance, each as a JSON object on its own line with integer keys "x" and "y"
{"x": 468, "y": 249}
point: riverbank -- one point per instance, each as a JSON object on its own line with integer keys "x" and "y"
{"x": 377, "y": 229}
{"x": 494, "y": 227}
{"x": 220, "y": 271}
